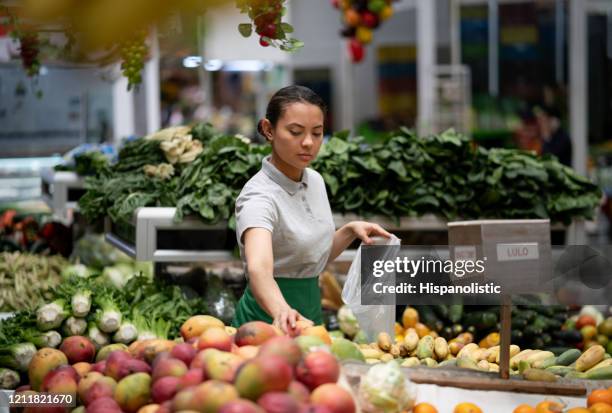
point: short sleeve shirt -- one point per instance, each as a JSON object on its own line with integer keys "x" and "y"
{"x": 296, "y": 213}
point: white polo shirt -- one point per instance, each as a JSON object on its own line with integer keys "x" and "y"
{"x": 296, "y": 213}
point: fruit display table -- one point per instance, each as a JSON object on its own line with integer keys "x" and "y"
{"x": 446, "y": 388}
{"x": 446, "y": 398}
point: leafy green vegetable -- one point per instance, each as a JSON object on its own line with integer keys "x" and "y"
{"x": 85, "y": 164}
{"x": 404, "y": 175}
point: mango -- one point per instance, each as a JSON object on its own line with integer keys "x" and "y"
{"x": 133, "y": 392}
{"x": 45, "y": 360}
{"x": 346, "y": 350}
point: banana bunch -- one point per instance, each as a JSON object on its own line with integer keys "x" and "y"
{"x": 162, "y": 171}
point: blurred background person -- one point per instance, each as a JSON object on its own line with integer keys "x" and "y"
{"x": 555, "y": 140}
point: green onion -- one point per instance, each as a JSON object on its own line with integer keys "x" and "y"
{"x": 52, "y": 338}
{"x": 74, "y": 326}
{"x": 51, "y": 315}
{"x": 108, "y": 316}
{"x": 17, "y": 356}
{"x": 97, "y": 337}
{"x": 126, "y": 333}
{"x": 81, "y": 303}
{"x": 9, "y": 379}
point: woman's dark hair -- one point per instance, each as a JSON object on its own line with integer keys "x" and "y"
{"x": 286, "y": 96}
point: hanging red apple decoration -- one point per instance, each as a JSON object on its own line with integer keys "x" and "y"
{"x": 356, "y": 50}
{"x": 266, "y": 16}
{"x": 360, "y": 19}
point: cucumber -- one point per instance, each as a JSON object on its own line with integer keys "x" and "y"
{"x": 575, "y": 375}
{"x": 561, "y": 317}
{"x": 455, "y": 312}
{"x": 517, "y": 336}
{"x": 568, "y": 357}
{"x": 448, "y": 363}
{"x": 558, "y": 349}
{"x": 539, "y": 375}
{"x": 568, "y": 336}
{"x": 529, "y": 315}
{"x": 441, "y": 311}
{"x": 540, "y": 322}
{"x": 602, "y": 373}
{"x": 533, "y": 331}
{"x": 481, "y": 320}
{"x": 519, "y": 322}
{"x": 429, "y": 318}
{"x": 537, "y": 342}
{"x": 559, "y": 370}
{"x": 544, "y": 310}
{"x": 544, "y": 364}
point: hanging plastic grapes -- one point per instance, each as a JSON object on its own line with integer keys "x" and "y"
{"x": 267, "y": 23}
{"x": 29, "y": 52}
{"x": 361, "y": 18}
{"x": 134, "y": 52}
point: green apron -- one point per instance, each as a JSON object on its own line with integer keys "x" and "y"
{"x": 302, "y": 294}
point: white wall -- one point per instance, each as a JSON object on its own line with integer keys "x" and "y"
{"x": 56, "y": 121}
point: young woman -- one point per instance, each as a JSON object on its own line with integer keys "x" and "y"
{"x": 284, "y": 226}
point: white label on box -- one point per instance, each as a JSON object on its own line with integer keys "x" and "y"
{"x": 465, "y": 253}
{"x": 516, "y": 252}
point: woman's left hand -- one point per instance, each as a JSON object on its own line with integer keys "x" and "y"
{"x": 365, "y": 230}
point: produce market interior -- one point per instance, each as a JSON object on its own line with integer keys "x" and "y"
{"x": 306, "y": 206}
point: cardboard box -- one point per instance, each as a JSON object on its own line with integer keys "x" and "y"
{"x": 517, "y": 253}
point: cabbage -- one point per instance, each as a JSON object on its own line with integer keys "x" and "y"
{"x": 348, "y": 322}
{"x": 76, "y": 270}
{"x": 385, "y": 390}
{"x": 144, "y": 267}
{"x": 118, "y": 275}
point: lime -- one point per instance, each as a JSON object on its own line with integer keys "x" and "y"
{"x": 605, "y": 327}
{"x": 601, "y": 339}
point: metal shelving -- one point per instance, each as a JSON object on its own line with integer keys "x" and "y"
{"x": 61, "y": 192}
{"x": 154, "y": 235}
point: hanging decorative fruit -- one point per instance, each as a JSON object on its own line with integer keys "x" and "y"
{"x": 266, "y": 16}
{"x": 29, "y": 51}
{"x": 356, "y": 50}
{"x": 134, "y": 52}
{"x": 360, "y": 19}
{"x": 104, "y": 32}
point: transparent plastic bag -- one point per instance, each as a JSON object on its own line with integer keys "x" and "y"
{"x": 373, "y": 319}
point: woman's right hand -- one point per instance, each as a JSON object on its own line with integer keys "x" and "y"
{"x": 286, "y": 320}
